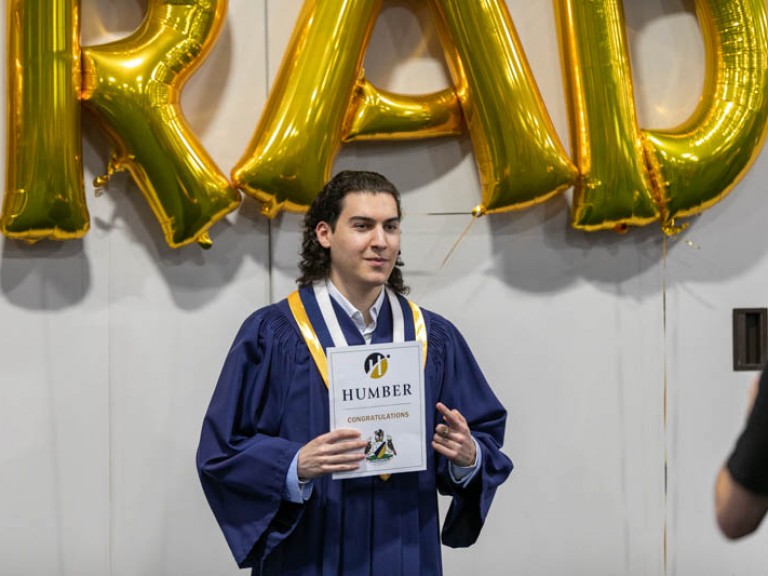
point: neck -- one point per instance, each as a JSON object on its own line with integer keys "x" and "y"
{"x": 362, "y": 297}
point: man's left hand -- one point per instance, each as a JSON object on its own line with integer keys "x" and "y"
{"x": 453, "y": 438}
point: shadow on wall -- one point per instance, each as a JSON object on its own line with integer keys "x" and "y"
{"x": 57, "y": 275}
{"x": 727, "y": 236}
{"x": 53, "y": 275}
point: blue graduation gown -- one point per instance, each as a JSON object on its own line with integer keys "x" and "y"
{"x": 270, "y": 400}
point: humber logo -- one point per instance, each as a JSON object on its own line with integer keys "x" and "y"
{"x": 376, "y": 365}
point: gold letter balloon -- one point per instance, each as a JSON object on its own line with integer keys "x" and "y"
{"x": 622, "y": 175}
{"x": 44, "y": 195}
{"x": 614, "y": 189}
{"x": 701, "y": 160}
{"x": 134, "y": 86}
{"x": 321, "y": 99}
{"x": 519, "y": 157}
{"x": 629, "y": 176}
{"x": 301, "y": 128}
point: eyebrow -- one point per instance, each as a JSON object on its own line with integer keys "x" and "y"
{"x": 369, "y": 220}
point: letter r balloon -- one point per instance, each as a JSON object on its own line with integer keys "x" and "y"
{"x": 134, "y": 87}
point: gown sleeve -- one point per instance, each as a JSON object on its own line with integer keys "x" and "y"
{"x": 241, "y": 459}
{"x": 463, "y": 387}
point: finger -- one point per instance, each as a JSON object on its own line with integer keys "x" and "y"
{"x": 452, "y": 417}
{"x": 336, "y": 463}
{"x": 444, "y": 450}
{"x": 448, "y": 442}
{"x": 456, "y": 454}
{"x": 442, "y": 440}
{"x": 343, "y": 459}
{"x": 443, "y": 409}
{"x": 341, "y": 434}
{"x": 443, "y": 430}
{"x": 441, "y": 448}
{"x": 447, "y": 413}
{"x": 345, "y": 447}
{"x": 459, "y": 443}
{"x": 344, "y": 468}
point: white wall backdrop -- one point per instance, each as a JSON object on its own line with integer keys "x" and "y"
{"x": 612, "y": 353}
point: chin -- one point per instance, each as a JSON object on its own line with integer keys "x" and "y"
{"x": 377, "y": 280}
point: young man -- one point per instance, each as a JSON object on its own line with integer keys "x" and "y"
{"x": 266, "y": 453}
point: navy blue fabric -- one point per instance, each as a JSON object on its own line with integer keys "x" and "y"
{"x": 270, "y": 400}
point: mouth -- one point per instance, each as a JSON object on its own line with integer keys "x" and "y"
{"x": 377, "y": 261}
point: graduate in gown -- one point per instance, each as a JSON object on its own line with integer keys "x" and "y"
{"x": 266, "y": 452}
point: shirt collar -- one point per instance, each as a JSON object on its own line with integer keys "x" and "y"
{"x": 356, "y": 315}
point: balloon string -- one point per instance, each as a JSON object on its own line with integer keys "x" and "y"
{"x": 456, "y": 244}
{"x": 666, "y": 393}
{"x": 434, "y": 277}
{"x": 442, "y": 214}
{"x": 664, "y": 247}
{"x": 461, "y": 237}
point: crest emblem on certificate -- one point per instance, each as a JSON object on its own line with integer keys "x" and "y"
{"x": 380, "y": 447}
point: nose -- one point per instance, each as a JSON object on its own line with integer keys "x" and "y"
{"x": 379, "y": 239}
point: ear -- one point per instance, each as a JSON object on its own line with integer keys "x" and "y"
{"x": 323, "y": 232}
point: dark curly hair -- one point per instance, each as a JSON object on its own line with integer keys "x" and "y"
{"x": 315, "y": 261}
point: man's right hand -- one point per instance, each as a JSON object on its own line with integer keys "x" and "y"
{"x": 336, "y": 451}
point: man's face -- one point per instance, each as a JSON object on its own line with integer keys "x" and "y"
{"x": 365, "y": 243}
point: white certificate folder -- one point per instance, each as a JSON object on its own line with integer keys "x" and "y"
{"x": 378, "y": 389}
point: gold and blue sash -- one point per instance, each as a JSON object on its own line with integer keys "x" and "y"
{"x": 333, "y": 328}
